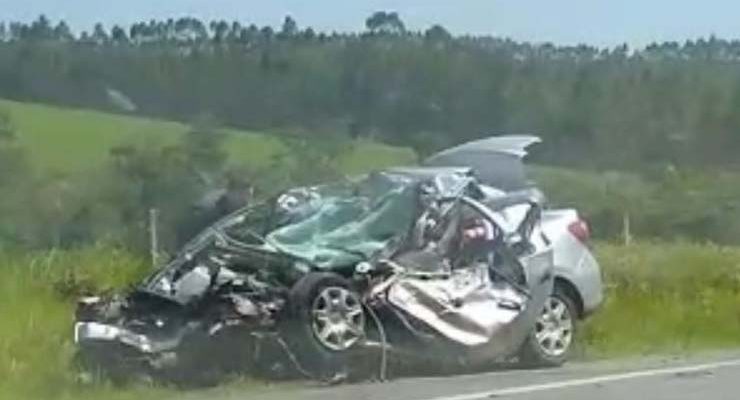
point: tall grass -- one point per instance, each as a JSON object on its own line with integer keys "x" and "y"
{"x": 37, "y": 293}
{"x": 669, "y": 297}
{"x": 660, "y": 298}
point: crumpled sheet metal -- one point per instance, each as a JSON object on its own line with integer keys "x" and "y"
{"x": 467, "y": 308}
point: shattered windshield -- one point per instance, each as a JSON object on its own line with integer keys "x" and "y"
{"x": 342, "y": 224}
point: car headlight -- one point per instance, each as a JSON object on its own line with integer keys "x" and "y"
{"x": 95, "y": 331}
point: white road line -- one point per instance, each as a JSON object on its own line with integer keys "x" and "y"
{"x": 591, "y": 381}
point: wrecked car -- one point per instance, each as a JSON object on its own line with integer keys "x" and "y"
{"x": 578, "y": 291}
{"x": 424, "y": 265}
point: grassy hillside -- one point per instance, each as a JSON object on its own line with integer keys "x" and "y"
{"x": 69, "y": 140}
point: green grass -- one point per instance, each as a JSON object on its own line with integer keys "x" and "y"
{"x": 36, "y": 302}
{"x": 71, "y": 140}
{"x": 666, "y": 298}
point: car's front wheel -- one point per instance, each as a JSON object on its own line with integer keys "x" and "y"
{"x": 326, "y": 324}
{"x": 550, "y": 342}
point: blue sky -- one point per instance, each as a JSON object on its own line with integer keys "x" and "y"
{"x": 598, "y": 22}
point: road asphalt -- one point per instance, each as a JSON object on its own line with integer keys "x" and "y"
{"x": 707, "y": 376}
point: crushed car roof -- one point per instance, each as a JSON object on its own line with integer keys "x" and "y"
{"x": 335, "y": 227}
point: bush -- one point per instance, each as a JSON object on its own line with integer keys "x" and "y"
{"x": 668, "y": 204}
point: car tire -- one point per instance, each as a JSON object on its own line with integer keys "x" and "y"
{"x": 326, "y": 321}
{"x": 551, "y": 341}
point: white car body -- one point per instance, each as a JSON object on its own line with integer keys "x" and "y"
{"x": 575, "y": 266}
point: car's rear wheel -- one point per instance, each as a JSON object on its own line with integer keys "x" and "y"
{"x": 550, "y": 342}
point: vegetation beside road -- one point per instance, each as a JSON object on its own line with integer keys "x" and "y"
{"x": 663, "y": 204}
{"x": 665, "y": 298}
{"x": 661, "y": 298}
{"x": 37, "y": 297}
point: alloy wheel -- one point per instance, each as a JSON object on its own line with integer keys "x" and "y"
{"x": 554, "y": 327}
{"x": 338, "y": 321}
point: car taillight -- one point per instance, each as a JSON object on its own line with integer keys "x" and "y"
{"x": 580, "y": 230}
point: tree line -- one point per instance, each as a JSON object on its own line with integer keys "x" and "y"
{"x": 667, "y": 116}
{"x": 668, "y": 103}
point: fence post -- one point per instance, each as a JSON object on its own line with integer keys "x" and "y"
{"x": 626, "y": 232}
{"x": 153, "y": 235}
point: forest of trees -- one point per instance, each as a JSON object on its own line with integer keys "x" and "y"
{"x": 669, "y": 103}
{"x": 665, "y": 117}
